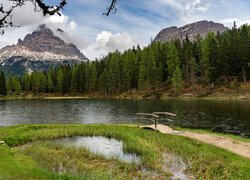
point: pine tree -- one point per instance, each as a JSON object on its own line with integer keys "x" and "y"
{"x": 173, "y": 59}
{"x": 244, "y": 51}
{"x": 103, "y": 82}
{"x": 49, "y": 84}
{"x": 234, "y": 55}
{"x": 60, "y": 80}
{"x": 114, "y": 66}
{"x": 223, "y": 61}
{"x": 82, "y": 78}
{"x": 111, "y": 82}
{"x": 193, "y": 70}
{"x": 213, "y": 59}
{"x": 92, "y": 78}
{"x": 176, "y": 80}
{"x": 17, "y": 87}
{"x": 175, "y": 73}
{"x": 3, "y": 90}
{"x": 205, "y": 65}
{"x": 26, "y": 83}
{"x": 51, "y": 80}
{"x": 127, "y": 69}
{"x": 75, "y": 80}
{"x": 188, "y": 54}
{"x": 43, "y": 83}
{"x": 35, "y": 82}
{"x": 142, "y": 81}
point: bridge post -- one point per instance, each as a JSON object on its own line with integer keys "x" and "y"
{"x": 155, "y": 123}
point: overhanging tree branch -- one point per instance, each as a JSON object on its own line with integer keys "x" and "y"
{"x": 111, "y": 8}
{"x": 51, "y": 10}
{"x": 39, "y": 5}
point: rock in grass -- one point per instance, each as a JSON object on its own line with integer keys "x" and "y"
{"x": 1, "y": 142}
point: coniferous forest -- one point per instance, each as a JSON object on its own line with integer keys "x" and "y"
{"x": 217, "y": 59}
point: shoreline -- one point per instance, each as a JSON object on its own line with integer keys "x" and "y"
{"x": 174, "y": 128}
{"x": 136, "y": 96}
{"x": 199, "y": 92}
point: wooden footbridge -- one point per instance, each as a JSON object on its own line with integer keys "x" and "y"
{"x": 155, "y": 116}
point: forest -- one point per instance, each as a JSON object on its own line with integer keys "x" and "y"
{"x": 217, "y": 59}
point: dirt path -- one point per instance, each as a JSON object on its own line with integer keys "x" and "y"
{"x": 235, "y": 146}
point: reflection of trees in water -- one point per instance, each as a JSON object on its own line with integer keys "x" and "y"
{"x": 190, "y": 113}
{"x": 204, "y": 114}
{"x": 3, "y": 106}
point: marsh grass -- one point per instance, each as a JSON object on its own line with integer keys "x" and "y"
{"x": 29, "y": 155}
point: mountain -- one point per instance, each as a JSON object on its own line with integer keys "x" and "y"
{"x": 201, "y": 28}
{"x": 38, "y": 51}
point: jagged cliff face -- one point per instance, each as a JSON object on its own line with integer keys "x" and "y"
{"x": 37, "y": 51}
{"x": 201, "y": 28}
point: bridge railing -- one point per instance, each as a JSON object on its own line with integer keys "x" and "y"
{"x": 155, "y": 116}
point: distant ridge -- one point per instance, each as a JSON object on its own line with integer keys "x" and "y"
{"x": 201, "y": 28}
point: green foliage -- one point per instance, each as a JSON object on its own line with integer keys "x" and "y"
{"x": 59, "y": 80}
{"x": 220, "y": 57}
{"x": 175, "y": 73}
{"x": 92, "y": 78}
{"x": 173, "y": 60}
{"x": 177, "y": 80}
{"x": 13, "y": 85}
{"x": 205, "y": 64}
{"x": 3, "y": 90}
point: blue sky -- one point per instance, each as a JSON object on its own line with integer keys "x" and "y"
{"x": 136, "y": 21}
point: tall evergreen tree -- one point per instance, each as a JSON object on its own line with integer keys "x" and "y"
{"x": 244, "y": 50}
{"x": 92, "y": 78}
{"x": 3, "y": 90}
{"x": 60, "y": 80}
{"x": 213, "y": 59}
{"x": 175, "y": 72}
{"x": 205, "y": 64}
{"x": 176, "y": 80}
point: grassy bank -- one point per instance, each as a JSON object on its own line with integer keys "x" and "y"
{"x": 159, "y": 154}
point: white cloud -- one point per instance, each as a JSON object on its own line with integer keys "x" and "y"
{"x": 111, "y": 42}
{"x": 239, "y": 22}
{"x": 62, "y": 19}
{"x": 108, "y": 42}
{"x": 73, "y": 25}
{"x": 103, "y": 38}
{"x": 197, "y": 5}
{"x": 187, "y": 6}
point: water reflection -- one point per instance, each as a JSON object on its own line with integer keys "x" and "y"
{"x": 191, "y": 113}
{"x": 110, "y": 148}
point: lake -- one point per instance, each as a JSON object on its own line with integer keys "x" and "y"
{"x": 217, "y": 115}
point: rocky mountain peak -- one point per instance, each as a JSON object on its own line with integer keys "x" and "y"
{"x": 44, "y": 40}
{"x": 38, "y": 50}
{"x": 201, "y": 28}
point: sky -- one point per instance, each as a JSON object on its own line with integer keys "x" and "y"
{"x": 136, "y": 22}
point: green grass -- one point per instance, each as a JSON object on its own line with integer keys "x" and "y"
{"x": 44, "y": 160}
{"x": 235, "y": 137}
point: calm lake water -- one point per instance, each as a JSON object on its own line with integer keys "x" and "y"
{"x": 227, "y": 115}
{"x": 109, "y": 148}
